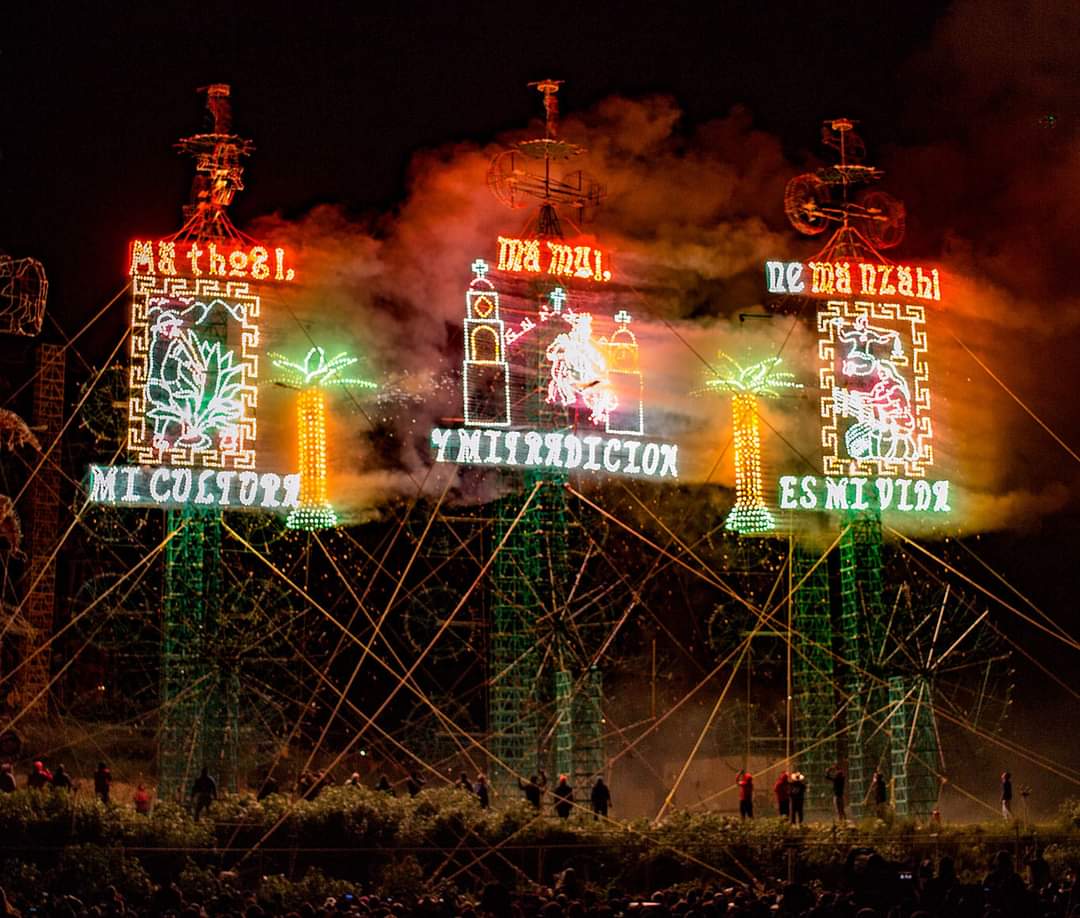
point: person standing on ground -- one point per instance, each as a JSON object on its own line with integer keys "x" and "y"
{"x": 385, "y": 786}
{"x": 1006, "y": 795}
{"x": 745, "y": 780}
{"x": 204, "y": 792}
{"x": 534, "y": 789}
{"x": 783, "y": 794}
{"x": 414, "y": 784}
{"x": 102, "y": 782}
{"x": 601, "y": 798}
{"x": 879, "y": 791}
{"x": 836, "y": 776}
{"x": 61, "y": 779}
{"x": 7, "y": 779}
{"x": 39, "y": 777}
{"x": 564, "y": 797}
{"x": 465, "y": 784}
{"x": 797, "y": 797}
{"x": 483, "y": 792}
{"x": 142, "y": 800}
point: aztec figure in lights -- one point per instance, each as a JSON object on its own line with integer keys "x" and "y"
{"x": 313, "y": 378}
{"x": 602, "y": 375}
{"x": 747, "y": 384}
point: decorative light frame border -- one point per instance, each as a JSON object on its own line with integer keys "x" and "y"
{"x": 243, "y": 307}
{"x": 908, "y": 320}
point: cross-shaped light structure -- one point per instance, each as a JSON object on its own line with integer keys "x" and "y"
{"x": 622, "y": 317}
{"x": 557, "y": 297}
{"x": 480, "y": 268}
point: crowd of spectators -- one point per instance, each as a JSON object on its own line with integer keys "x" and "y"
{"x": 870, "y": 887}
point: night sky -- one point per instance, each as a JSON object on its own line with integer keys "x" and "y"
{"x": 971, "y": 107}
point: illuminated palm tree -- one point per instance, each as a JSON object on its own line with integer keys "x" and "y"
{"x": 746, "y": 385}
{"x": 313, "y": 378}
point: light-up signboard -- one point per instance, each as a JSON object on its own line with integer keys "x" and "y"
{"x": 594, "y": 370}
{"x": 874, "y": 378}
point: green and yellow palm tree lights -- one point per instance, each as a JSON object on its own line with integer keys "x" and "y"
{"x": 313, "y": 378}
{"x": 746, "y": 385}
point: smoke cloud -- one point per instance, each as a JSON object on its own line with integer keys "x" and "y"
{"x": 691, "y": 215}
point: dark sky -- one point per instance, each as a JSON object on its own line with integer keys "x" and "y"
{"x": 338, "y": 98}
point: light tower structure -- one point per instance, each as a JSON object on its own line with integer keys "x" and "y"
{"x": 530, "y": 574}
{"x": 884, "y": 719}
{"x": 199, "y": 707}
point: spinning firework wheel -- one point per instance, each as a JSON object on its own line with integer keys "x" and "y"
{"x": 867, "y": 218}
{"x": 806, "y": 199}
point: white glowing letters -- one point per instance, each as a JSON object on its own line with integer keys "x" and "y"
{"x": 165, "y": 486}
{"x": 556, "y": 449}
{"x": 860, "y": 278}
{"x": 905, "y": 495}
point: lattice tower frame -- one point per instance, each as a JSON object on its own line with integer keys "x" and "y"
{"x": 862, "y": 617}
{"x": 528, "y": 578}
{"x": 812, "y": 671}
{"x": 914, "y": 747}
{"x": 44, "y": 530}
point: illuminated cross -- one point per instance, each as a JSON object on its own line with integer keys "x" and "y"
{"x": 558, "y": 297}
{"x": 480, "y": 268}
{"x": 622, "y": 317}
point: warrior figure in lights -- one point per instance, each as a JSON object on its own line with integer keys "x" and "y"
{"x": 885, "y": 425}
{"x": 578, "y": 368}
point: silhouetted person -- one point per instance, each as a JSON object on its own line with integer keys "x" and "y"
{"x": 102, "y": 782}
{"x": 564, "y": 797}
{"x": 1006, "y": 795}
{"x": 354, "y": 780}
{"x": 465, "y": 784}
{"x": 61, "y": 779}
{"x": 783, "y": 795}
{"x": 1003, "y": 889}
{"x": 600, "y": 798}
{"x": 836, "y": 776}
{"x": 7, "y": 779}
{"x": 414, "y": 784}
{"x": 268, "y": 787}
{"x": 797, "y": 796}
{"x": 483, "y": 792}
{"x": 39, "y": 777}
{"x": 879, "y": 793}
{"x": 534, "y": 789}
{"x": 745, "y": 780}
{"x": 384, "y": 785}
{"x": 203, "y": 792}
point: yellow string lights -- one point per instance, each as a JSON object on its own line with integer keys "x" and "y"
{"x": 750, "y": 514}
{"x": 313, "y": 377}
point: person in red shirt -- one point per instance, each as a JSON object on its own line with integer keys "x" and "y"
{"x": 783, "y": 794}
{"x": 39, "y": 777}
{"x": 745, "y": 780}
{"x": 142, "y": 799}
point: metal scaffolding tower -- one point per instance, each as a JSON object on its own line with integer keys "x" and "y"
{"x": 914, "y": 747}
{"x": 814, "y": 696}
{"x": 532, "y": 667}
{"x": 44, "y": 494}
{"x": 863, "y": 626}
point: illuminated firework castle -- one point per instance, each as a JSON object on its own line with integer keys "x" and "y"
{"x": 192, "y": 434}
{"x": 876, "y": 411}
{"x": 750, "y": 514}
{"x": 531, "y": 623}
